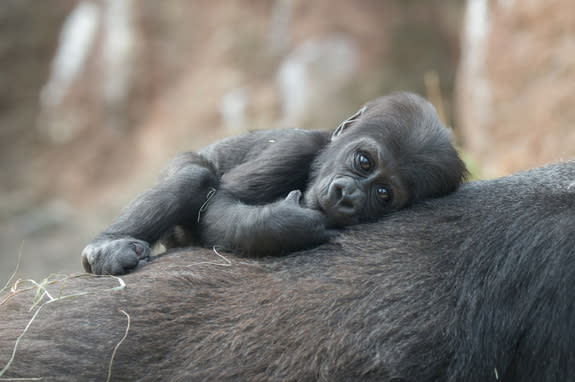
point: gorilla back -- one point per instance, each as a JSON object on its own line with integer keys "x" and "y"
{"x": 474, "y": 286}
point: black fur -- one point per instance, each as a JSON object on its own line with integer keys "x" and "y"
{"x": 277, "y": 191}
{"x": 475, "y": 286}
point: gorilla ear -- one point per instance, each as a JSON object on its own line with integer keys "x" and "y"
{"x": 347, "y": 123}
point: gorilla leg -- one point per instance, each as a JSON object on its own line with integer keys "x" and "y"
{"x": 175, "y": 199}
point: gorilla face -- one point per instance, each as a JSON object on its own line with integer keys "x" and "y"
{"x": 392, "y": 152}
{"x": 357, "y": 181}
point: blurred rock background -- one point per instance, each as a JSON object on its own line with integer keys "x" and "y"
{"x": 95, "y": 95}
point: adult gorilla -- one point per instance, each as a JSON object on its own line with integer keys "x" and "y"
{"x": 471, "y": 287}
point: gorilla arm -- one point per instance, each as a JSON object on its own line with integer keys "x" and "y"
{"x": 259, "y": 230}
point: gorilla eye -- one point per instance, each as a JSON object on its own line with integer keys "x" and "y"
{"x": 364, "y": 162}
{"x": 384, "y": 193}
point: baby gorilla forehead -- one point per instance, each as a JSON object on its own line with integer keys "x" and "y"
{"x": 400, "y": 108}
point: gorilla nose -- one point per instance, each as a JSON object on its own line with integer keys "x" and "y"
{"x": 345, "y": 196}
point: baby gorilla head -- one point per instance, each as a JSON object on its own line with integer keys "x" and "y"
{"x": 392, "y": 152}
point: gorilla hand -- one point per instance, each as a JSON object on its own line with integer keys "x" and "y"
{"x": 114, "y": 256}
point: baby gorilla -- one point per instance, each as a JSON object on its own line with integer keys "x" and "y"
{"x": 274, "y": 191}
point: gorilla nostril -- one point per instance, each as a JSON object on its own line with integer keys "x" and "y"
{"x": 338, "y": 192}
{"x": 346, "y": 204}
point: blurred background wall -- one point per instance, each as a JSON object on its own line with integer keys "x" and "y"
{"x": 95, "y": 95}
